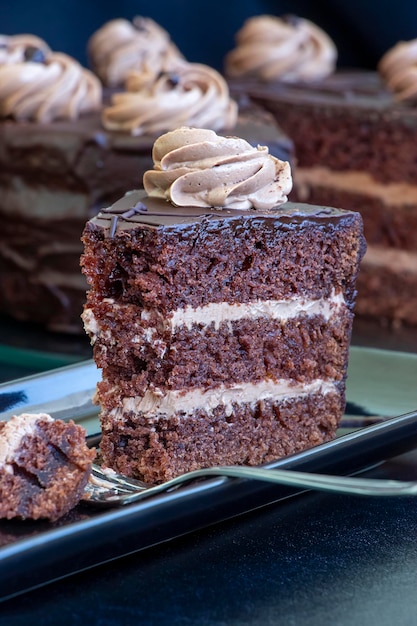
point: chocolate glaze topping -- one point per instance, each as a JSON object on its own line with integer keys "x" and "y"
{"x": 356, "y": 90}
{"x": 137, "y": 208}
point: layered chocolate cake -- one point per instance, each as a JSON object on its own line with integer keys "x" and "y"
{"x": 44, "y": 466}
{"x": 356, "y": 147}
{"x": 57, "y": 170}
{"x": 48, "y": 163}
{"x": 219, "y": 314}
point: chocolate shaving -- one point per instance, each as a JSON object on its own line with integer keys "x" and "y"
{"x": 173, "y": 79}
{"x": 139, "y": 207}
{"x": 34, "y": 55}
{"x": 139, "y": 24}
{"x": 117, "y": 214}
{"x": 292, "y": 20}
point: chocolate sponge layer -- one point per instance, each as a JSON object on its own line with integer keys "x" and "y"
{"x": 251, "y": 435}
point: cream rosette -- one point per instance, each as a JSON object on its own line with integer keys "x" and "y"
{"x": 398, "y": 68}
{"x": 192, "y": 95}
{"x": 57, "y": 87}
{"x": 197, "y": 167}
{"x": 121, "y": 46}
{"x": 288, "y": 49}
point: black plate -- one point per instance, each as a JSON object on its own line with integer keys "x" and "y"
{"x": 36, "y": 553}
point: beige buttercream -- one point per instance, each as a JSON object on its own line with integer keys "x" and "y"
{"x": 14, "y": 47}
{"x": 212, "y": 313}
{"x": 157, "y": 404}
{"x": 283, "y": 310}
{"x": 193, "y": 95}
{"x": 395, "y": 260}
{"x": 58, "y": 88}
{"x": 197, "y": 167}
{"x": 13, "y": 432}
{"x": 289, "y": 49}
{"x": 390, "y": 194}
{"x": 120, "y": 46}
{"x": 398, "y": 68}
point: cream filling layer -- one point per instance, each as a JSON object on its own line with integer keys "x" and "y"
{"x": 398, "y": 261}
{"x": 395, "y": 194}
{"x": 271, "y": 309}
{"x": 218, "y": 313}
{"x": 12, "y": 434}
{"x": 157, "y": 404}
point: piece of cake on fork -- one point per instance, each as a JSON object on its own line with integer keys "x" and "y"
{"x": 220, "y": 314}
{"x": 44, "y": 466}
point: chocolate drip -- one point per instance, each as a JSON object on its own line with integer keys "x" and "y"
{"x": 117, "y": 213}
{"x": 138, "y": 208}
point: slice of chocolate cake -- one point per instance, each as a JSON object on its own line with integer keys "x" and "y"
{"x": 44, "y": 466}
{"x": 222, "y": 333}
{"x": 356, "y": 148}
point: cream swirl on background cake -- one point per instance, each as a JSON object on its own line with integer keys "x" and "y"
{"x": 121, "y": 46}
{"x": 398, "y": 68}
{"x": 43, "y": 86}
{"x": 197, "y": 167}
{"x": 193, "y": 95}
{"x": 288, "y": 48}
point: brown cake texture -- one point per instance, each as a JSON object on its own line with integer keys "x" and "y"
{"x": 44, "y": 466}
{"x": 54, "y": 176}
{"x": 222, "y": 335}
{"x": 356, "y": 147}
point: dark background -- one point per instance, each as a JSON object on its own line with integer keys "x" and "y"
{"x": 204, "y": 31}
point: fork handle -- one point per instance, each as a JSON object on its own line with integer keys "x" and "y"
{"x": 292, "y": 478}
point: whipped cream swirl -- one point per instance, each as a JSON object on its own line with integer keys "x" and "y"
{"x": 193, "y": 95}
{"x": 197, "y": 167}
{"x": 120, "y": 46}
{"x": 398, "y": 68}
{"x": 44, "y": 88}
{"x": 289, "y": 48}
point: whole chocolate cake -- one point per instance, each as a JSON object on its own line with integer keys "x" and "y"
{"x": 44, "y": 466}
{"x": 355, "y": 137}
{"x": 64, "y": 155}
{"x": 222, "y": 333}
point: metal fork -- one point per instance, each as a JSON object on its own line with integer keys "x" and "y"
{"x": 108, "y": 488}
